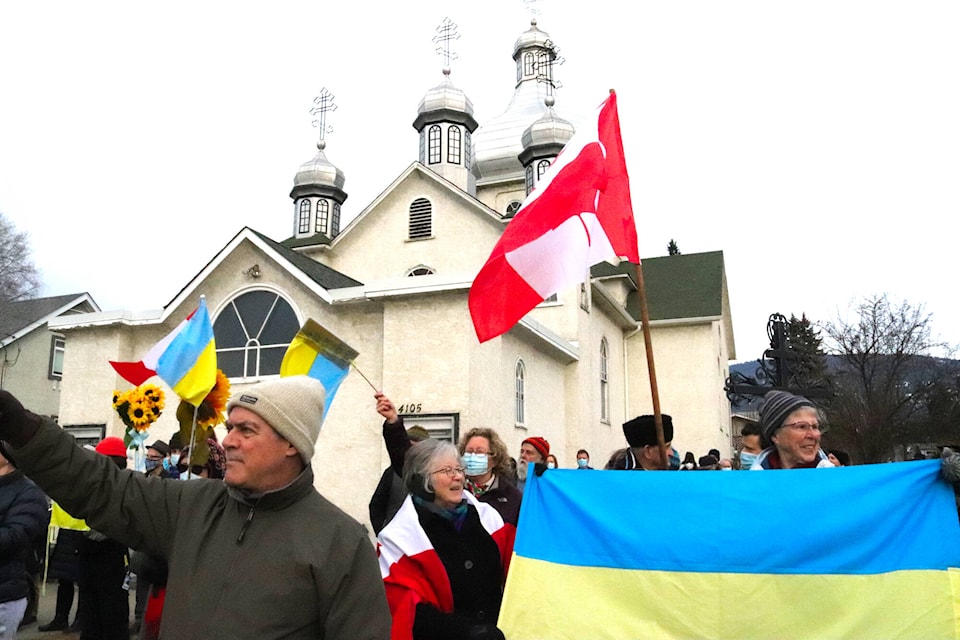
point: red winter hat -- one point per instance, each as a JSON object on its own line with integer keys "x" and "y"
{"x": 540, "y": 444}
{"x": 112, "y": 446}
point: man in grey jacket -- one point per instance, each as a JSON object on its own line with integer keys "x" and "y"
{"x": 260, "y": 555}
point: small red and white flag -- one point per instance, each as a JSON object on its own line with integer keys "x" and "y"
{"x": 579, "y": 214}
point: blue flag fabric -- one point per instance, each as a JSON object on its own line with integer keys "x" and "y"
{"x": 318, "y": 353}
{"x": 866, "y": 552}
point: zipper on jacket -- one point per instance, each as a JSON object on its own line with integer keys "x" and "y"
{"x": 246, "y": 525}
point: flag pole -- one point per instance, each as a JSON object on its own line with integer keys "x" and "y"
{"x": 648, "y": 347}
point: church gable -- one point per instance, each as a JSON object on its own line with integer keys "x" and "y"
{"x": 420, "y": 225}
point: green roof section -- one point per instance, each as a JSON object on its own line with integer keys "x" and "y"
{"x": 320, "y": 273}
{"x": 682, "y": 286}
{"x": 315, "y": 240}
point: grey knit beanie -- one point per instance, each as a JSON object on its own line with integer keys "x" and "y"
{"x": 776, "y": 407}
{"x": 293, "y": 406}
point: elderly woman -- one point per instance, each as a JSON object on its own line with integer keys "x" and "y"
{"x": 790, "y": 432}
{"x": 444, "y": 555}
{"x": 488, "y": 472}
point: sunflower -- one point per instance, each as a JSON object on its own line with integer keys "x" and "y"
{"x": 140, "y": 414}
{"x": 210, "y": 411}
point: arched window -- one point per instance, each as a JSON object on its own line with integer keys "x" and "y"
{"x": 421, "y": 219}
{"x": 252, "y": 333}
{"x": 423, "y": 147}
{"x": 323, "y": 215}
{"x": 453, "y": 145}
{"x": 434, "y": 144}
{"x": 528, "y": 64}
{"x": 335, "y": 222}
{"x": 529, "y": 184}
{"x": 513, "y": 207}
{"x": 542, "y": 168}
{"x": 303, "y": 221}
{"x": 467, "y": 149}
{"x": 604, "y": 382}
{"x": 520, "y": 399}
{"x": 422, "y": 270}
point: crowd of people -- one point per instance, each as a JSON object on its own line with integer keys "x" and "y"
{"x": 254, "y": 550}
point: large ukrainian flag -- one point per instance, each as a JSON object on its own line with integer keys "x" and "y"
{"x": 854, "y": 552}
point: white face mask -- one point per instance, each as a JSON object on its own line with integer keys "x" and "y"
{"x": 551, "y": 465}
{"x": 476, "y": 464}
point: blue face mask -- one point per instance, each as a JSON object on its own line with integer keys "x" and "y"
{"x": 674, "y": 460}
{"x": 551, "y": 465}
{"x": 150, "y": 465}
{"x": 582, "y": 463}
{"x": 476, "y": 464}
{"x": 747, "y": 459}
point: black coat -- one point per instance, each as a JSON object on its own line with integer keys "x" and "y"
{"x": 24, "y": 516}
{"x": 472, "y": 562}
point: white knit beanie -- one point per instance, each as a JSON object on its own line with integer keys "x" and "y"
{"x": 293, "y": 406}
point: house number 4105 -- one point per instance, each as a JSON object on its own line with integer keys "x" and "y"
{"x": 413, "y": 407}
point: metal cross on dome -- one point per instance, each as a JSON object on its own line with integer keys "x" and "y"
{"x": 533, "y": 7}
{"x": 446, "y": 32}
{"x": 323, "y": 104}
{"x": 545, "y": 63}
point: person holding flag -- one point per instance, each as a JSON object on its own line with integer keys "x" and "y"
{"x": 260, "y": 554}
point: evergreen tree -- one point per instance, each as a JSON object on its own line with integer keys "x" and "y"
{"x": 808, "y": 364}
{"x": 672, "y": 249}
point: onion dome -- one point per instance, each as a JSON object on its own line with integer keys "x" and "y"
{"x": 445, "y": 103}
{"x": 315, "y": 173}
{"x": 547, "y": 136}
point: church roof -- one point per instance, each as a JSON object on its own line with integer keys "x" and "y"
{"x": 323, "y": 275}
{"x": 682, "y": 286}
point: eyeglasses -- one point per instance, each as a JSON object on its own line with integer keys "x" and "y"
{"x": 480, "y": 453}
{"x": 451, "y": 472}
{"x": 802, "y": 427}
{"x": 155, "y": 458}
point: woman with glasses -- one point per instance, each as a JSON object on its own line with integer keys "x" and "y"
{"x": 790, "y": 430}
{"x": 444, "y": 555}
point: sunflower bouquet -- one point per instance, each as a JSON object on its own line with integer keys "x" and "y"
{"x": 138, "y": 408}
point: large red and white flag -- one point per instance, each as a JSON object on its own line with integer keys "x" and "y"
{"x": 579, "y": 214}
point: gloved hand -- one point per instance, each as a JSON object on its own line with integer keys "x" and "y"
{"x": 950, "y": 465}
{"x": 485, "y": 631}
{"x": 17, "y": 425}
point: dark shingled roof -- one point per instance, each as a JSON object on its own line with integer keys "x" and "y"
{"x": 682, "y": 286}
{"x": 15, "y": 316}
{"x": 315, "y": 239}
{"x": 320, "y": 273}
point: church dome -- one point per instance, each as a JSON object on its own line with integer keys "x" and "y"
{"x": 498, "y": 142}
{"x": 549, "y": 131}
{"x": 447, "y": 103}
{"x": 318, "y": 172}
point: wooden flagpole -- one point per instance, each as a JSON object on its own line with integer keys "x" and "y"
{"x": 648, "y": 347}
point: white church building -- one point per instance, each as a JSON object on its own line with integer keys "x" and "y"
{"x": 393, "y": 284}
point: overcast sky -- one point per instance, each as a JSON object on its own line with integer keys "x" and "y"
{"x": 816, "y": 144}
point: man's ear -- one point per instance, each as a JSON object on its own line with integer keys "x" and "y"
{"x": 291, "y": 451}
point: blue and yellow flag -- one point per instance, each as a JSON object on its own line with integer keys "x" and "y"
{"x": 317, "y": 353}
{"x": 854, "y": 552}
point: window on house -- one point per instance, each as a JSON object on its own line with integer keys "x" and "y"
{"x": 520, "y": 397}
{"x": 513, "y": 207}
{"x": 467, "y": 149}
{"x": 303, "y": 223}
{"x": 57, "y": 344}
{"x": 323, "y": 215}
{"x": 433, "y": 144}
{"x": 421, "y": 219}
{"x": 604, "y": 382}
{"x": 423, "y": 147}
{"x": 453, "y": 145}
{"x": 252, "y": 333}
{"x": 529, "y": 178}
